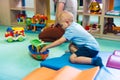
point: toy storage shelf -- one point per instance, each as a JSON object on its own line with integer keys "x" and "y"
{"x": 106, "y": 5}
{"x": 79, "y": 12}
{"x": 9, "y": 9}
{"x": 85, "y": 14}
{"x": 22, "y": 9}
{"x": 40, "y": 7}
{"x": 107, "y": 16}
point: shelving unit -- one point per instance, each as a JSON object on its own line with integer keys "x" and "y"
{"x": 109, "y": 5}
{"x": 101, "y": 18}
{"x": 15, "y": 6}
{"x": 9, "y": 9}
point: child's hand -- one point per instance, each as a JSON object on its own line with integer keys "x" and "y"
{"x": 43, "y": 49}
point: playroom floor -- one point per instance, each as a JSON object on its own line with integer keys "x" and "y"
{"x": 16, "y": 63}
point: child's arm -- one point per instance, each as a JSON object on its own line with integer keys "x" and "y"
{"x": 53, "y": 44}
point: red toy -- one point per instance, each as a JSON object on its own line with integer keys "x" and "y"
{"x": 21, "y": 18}
{"x": 36, "y": 23}
{"x": 15, "y": 34}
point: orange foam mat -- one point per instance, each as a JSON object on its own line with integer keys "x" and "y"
{"x": 87, "y": 74}
{"x": 42, "y": 73}
{"x": 65, "y": 73}
{"x": 70, "y": 73}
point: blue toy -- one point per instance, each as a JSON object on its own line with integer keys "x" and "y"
{"x": 36, "y": 23}
{"x": 35, "y": 47}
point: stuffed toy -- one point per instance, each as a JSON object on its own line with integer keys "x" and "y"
{"x": 108, "y": 28}
{"x": 51, "y": 34}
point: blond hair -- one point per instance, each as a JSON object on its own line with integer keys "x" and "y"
{"x": 65, "y": 15}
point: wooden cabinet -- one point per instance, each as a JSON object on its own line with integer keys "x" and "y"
{"x": 4, "y": 12}
{"x": 10, "y": 8}
{"x": 100, "y": 19}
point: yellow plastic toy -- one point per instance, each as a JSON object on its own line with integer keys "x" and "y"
{"x": 94, "y": 7}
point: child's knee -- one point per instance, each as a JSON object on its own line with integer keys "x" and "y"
{"x": 73, "y": 58}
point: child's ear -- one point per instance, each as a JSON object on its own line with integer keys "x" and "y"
{"x": 67, "y": 21}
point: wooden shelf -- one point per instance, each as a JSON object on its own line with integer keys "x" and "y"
{"x": 22, "y": 9}
{"x": 79, "y": 12}
{"x": 110, "y": 16}
{"x": 106, "y": 6}
{"x": 111, "y": 36}
{"x": 92, "y": 14}
{"x": 17, "y": 24}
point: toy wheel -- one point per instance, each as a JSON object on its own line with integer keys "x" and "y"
{"x": 10, "y": 39}
{"x": 20, "y": 39}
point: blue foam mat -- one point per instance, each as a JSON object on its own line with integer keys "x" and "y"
{"x": 59, "y": 62}
{"x": 105, "y": 73}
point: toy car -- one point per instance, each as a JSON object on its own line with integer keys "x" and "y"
{"x": 15, "y": 34}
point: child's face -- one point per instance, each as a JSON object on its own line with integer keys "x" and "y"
{"x": 64, "y": 24}
{"x": 65, "y": 19}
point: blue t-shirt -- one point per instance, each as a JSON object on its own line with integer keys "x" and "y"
{"x": 80, "y": 37}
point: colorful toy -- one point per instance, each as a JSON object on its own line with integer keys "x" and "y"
{"x": 92, "y": 28}
{"x": 28, "y": 23}
{"x": 114, "y": 60}
{"x": 94, "y": 7}
{"x": 65, "y": 73}
{"x": 108, "y": 28}
{"x": 36, "y": 23}
{"x": 21, "y": 18}
{"x": 87, "y": 28}
{"x": 116, "y": 29}
{"x": 15, "y": 34}
{"x": 35, "y": 47}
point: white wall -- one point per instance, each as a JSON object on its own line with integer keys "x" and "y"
{"x": 29, "y": 3}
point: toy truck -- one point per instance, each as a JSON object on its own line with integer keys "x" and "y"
{"x": 15, "y": 34}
